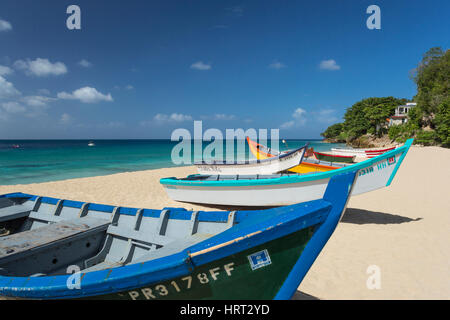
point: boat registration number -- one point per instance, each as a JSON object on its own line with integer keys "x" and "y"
{"x": 181, "y": 284}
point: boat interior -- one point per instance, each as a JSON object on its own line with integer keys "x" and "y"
{"x": 250, "y": 161}
{"x": 222, "y": 177}
{"x": 325, "y": 163}
{"x": 46, "y": 235}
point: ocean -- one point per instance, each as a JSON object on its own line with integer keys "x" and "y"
{"x": 34, "y": 161}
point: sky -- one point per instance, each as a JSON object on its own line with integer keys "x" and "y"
{"x": 140, "y": 69}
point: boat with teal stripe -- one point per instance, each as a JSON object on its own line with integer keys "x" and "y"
{"x": 64, "y": 249}
{"x": 282, "y": 189}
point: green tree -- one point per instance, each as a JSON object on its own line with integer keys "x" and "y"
{"x": 370, "y": 116}
{"x": 433, "y": 82}
{"x": 442, "y": 122}
{"x": 428, "y": 122}
{"x": 333, "y": 131}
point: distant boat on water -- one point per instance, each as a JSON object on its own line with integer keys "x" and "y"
{"x": 15, "y": 146}
{"x": 91, "y": 144}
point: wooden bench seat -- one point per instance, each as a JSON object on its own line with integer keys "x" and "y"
{"x": 15, "y": 212}
{"x": 15, "y": 245}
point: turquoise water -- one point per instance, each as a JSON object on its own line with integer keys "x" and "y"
{"x": 33, "y": 161}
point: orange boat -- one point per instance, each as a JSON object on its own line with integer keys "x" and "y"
{"x": 307, "y": 166}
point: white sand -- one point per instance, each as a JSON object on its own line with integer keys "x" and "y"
{"x": 403, "y": 229}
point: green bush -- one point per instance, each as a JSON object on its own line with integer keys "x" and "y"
{"x": 427, "y": 138}
{"x": 442, "y": 123}
{"x": 333, "y": 131}
{"x": 368, "y": 116}
{"x": 396, "y": 131}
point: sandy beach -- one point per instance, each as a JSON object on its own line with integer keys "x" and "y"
{"x": 403, "y": 230}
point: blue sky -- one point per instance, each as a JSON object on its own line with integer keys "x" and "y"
{"x": 140, "y": 69}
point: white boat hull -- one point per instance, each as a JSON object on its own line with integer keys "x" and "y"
{"x": 370, "y": 178}
{"x": 358, "y": 153}
{"x": 266, "y": 166}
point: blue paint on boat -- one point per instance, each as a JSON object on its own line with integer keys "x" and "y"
{"x": 407, "y": 146}
{"x": 295, "y": 178}
{"x": 255, "y": 228}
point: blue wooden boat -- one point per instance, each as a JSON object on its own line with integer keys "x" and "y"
{"x": 282, "y": 189}
{"x": 126, "y": 253}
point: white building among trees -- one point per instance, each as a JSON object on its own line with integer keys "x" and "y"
{"x": 401, "y": 114}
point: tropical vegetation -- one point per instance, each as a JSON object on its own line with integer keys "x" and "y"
{"x": 428, "y": 122}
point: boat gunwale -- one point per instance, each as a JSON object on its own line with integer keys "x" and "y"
{"x": 304, "y": 163}
{"x": 363, "y": 150}
{"x": 94, "y": 282}
{"x": 296, "y": 178}
{"x": 318, "y": 165}
{"x": 257, "y": 161}
{"x": 333, "y": 155}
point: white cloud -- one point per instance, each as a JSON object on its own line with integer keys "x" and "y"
{"x": 298, "y": 119}
{"x": 37, "y": 101}
{"x": 298, "y": 114}
{"x": 178, "y": 117}
{"x": 174, "y": 117}
{"x": 330, "y": 65}
{"x": 326, "y": 116}
{"x": 7, "y": 89}
{"x": 222, "y": 116}
{"x": 85, "y": 63}
{"x": 287, "y": 125}
{"x": 5, "y": 25}
{"x": 41, "y": 67}
{"x": 127, "y": 87}
{"x": 85, "y": 95}
{"x": 13, "y": 107}
{"x": 237, "y": 11}
{"x": 200, "y": 66}
{"x": 65, "y": 118}
{"x": 4, "y": 70}
{"x": 112, "y": 124}
{"x": 277, "y": 65}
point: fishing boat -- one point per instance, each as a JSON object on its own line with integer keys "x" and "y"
{"x": 333, "y": 157}
{"x": 270, "y": 165}
{"x": 307, "y": 165}
{"x": 66, "y": 249}
{"x": 282, "y": 189}
{"x": 361, "y": 153}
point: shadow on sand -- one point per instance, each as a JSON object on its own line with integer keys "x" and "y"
{"x": 351, "y": 215}
{"x": 298, "y": 295}
{"x": 361, "y": 216}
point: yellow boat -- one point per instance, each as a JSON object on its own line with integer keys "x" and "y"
{"x": 307, "y": 166}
